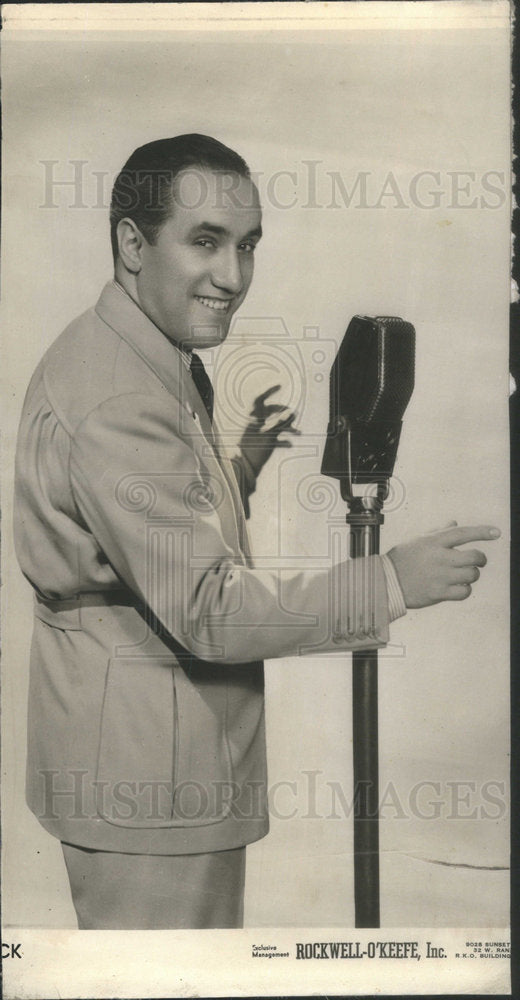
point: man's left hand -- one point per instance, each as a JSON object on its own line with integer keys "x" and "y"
{"x": 264, "y": 431}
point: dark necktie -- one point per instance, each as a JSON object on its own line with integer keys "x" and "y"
{"x": 202, "y": 383}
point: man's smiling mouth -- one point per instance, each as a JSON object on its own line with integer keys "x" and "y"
{"x": 219, "y": 305}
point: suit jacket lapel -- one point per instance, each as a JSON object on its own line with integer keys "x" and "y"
{"x": 124, "y": 316}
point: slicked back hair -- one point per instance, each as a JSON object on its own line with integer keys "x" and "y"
{"x": 143, "y": 190}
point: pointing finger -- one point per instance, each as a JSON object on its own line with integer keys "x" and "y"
{"x": 458, "y": 536}
{"x": 443, "y": 527}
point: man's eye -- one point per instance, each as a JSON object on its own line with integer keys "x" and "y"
{"x": 247, "y": 247}
{"x": 203, "y": 241}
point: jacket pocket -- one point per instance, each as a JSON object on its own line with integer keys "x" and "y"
{"x": 163, "y": 754}
{"x": 136, "y": 744}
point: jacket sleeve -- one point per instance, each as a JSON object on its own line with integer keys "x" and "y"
{"x": 145, "y": 496}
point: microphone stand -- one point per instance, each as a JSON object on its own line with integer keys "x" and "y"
{"x": 371, "y": 381}
{"x": 364, "y": 519}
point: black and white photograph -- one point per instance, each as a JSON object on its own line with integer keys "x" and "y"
{"x": 256, "y": 285}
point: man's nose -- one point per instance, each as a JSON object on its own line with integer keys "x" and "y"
{"x": 226, "y": 272}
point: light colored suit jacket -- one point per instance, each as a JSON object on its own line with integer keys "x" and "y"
{"x": 146, "y": 714}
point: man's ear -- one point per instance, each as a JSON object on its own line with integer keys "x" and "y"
{"x": 130, "y": 242}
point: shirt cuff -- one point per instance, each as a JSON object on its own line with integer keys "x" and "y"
{"x": 396, "y": 604}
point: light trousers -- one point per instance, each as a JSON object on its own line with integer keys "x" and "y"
{"x": 154, "y": 891}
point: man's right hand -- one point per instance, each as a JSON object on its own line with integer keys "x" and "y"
{"x": 431, "y": 569}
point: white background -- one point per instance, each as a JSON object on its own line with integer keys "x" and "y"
{"x": 403, "y": 96}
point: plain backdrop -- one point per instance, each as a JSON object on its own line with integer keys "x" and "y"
{"x": 352, "y": 102}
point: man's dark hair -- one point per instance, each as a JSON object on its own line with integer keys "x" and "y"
{"x": 143, "y": 190}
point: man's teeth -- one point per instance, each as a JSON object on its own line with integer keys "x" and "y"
{"x": 218, "y": 304}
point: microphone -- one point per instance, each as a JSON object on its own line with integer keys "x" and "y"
{"x": 371, "y": 382}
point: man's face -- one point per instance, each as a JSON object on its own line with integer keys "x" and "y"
{"x": 198, "y": 272}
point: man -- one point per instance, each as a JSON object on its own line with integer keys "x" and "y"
{"x": 146, "y": 729}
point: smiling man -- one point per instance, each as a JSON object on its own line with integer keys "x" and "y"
{"x": 207, "y": 243}
{"x": 146, "y": 716}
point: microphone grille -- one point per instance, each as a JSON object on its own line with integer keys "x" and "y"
{"x": 372, "y": 377}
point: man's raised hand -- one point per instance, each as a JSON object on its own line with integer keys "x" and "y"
{"x": 263, "y": 433}
{"x": 431, "y": 568}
